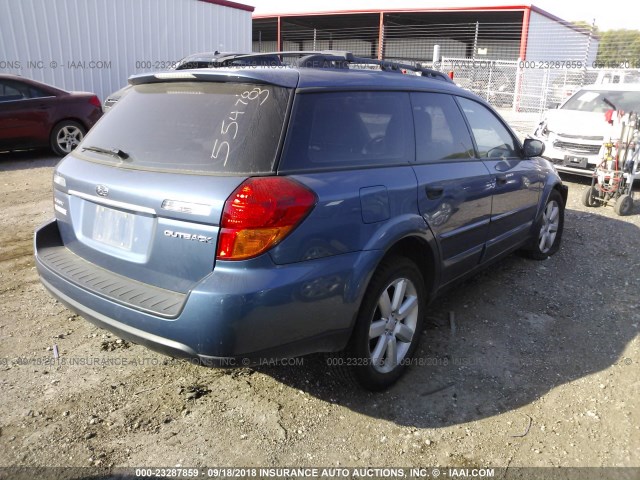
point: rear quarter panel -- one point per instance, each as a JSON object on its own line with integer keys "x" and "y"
{"x": 356, "y": 210}
{"x": 76, "y": 107}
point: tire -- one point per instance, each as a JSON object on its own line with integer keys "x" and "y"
{"x": 548, "y": 236}
{"x": 589, "y": 197}
{"x": 66, "y": 136}
{"x": 623, "y": 205}
{"x": 369, "y": 361}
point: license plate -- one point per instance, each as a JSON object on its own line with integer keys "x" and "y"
{"x": 571, "y": 161}
{"x": 113, "y": 227}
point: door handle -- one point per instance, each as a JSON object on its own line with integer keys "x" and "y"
{"x": 434, "y": 193}
{"x": 501, "y": 179}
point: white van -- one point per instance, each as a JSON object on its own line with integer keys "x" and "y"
{"x": 618, "y": 76}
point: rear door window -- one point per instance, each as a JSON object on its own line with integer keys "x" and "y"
{"x": 201, "y": 127}
{"x": 441, "y": 133}
{"x": 349, "y": 129}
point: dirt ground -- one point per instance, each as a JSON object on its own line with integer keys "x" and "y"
{"x": 541, "y": 369}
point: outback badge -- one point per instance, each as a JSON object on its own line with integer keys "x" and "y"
{"x": 188, "y": 236}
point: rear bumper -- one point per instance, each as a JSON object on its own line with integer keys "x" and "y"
{"x": 243, "y": 313}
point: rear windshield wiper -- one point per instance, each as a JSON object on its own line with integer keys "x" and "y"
{"x": 114, "y": 152}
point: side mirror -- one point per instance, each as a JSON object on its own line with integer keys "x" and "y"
{"x": 532, "y": 147}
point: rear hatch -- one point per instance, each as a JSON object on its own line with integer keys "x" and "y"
{"x": 142, "y": 196}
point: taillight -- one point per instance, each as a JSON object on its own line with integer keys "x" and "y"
{"x": 95, "y": 101}
{"x": 259, "y": 214}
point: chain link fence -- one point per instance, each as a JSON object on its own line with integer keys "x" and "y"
{"x": 523, "y": 91}
{"x": 483, "y": 56}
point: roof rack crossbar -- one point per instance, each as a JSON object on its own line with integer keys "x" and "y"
{"x": 390, "y": 66}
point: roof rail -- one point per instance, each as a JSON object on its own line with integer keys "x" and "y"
{"x": 342, "y": 60}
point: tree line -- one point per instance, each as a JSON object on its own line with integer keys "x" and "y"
{"x": 618, "y": 46}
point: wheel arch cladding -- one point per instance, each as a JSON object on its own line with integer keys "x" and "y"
{"x": 562, "y": 190}
{"x": 420, "y": 252}
{"x": 69, "y": 119}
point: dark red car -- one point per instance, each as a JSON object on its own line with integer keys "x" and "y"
{"x": 33, "y": 114}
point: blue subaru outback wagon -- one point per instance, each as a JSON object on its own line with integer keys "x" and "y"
{"x": 236, "y": 215}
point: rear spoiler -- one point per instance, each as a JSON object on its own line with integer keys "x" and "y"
{"x": 284, "y": 77}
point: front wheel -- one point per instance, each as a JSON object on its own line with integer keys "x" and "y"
{"x": 66, "y": 136}
{"x": 548, "y": 235}
{"x": 388, "y": 326}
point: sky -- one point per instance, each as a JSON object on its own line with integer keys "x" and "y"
{"x": 609, "y": 14}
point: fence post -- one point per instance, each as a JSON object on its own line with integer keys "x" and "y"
{"x": 543, "y": 98}
{"x": 489, "y": 81}
{"x": 516, "y": 97}
{"x": 473, "y": 56}
{"x": 475, "y": 41}
{"x": 586, "y": 54}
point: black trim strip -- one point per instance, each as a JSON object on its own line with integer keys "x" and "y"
{"x": 140, "y": 296}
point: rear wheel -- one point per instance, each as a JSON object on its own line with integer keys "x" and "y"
{"x": 589, "y": 197}
{"x": 546, "y": 242}
{"x": 66, "y": 136}
{"x": 623, "y": 205}
{"x": 388, "y": 326}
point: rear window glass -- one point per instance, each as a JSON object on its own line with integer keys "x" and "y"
{"x": 349, "y": 129}
{"x": 600, "y": 101}
{"x": 9, "y": 91}
{"x": 204, "y": 127}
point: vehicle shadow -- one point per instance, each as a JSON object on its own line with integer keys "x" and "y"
{"x": 70, "y": 473}
{"x": 517, "y": 331}
{"x": 579, "y": 179}
{"x": 583, "y": 180}
{"x": 27, "y": 159}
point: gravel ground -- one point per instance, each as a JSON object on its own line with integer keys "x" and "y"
{"x": 541, "y": 369}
